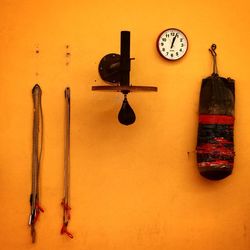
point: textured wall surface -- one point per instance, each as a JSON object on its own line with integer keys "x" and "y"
{"x": 136, "y": 187}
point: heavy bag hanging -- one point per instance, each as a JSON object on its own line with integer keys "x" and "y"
{"x": 215, "y": 142}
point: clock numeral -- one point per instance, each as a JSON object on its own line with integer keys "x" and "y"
{"x": 182, "y": 45}
{"x": 164, "y": 39}
{"x": 162, "y": 44}
{"x": 181, "y": 50}
{"x": 167, "y": 35}
{"x": 163, "y": 49}
{"x": 172, "y": 55}
{"x": 177, "y": 54}
{"x": 167, "y": 53}
{"x": 181, "y": 40}
{"x": 172, "y": 33}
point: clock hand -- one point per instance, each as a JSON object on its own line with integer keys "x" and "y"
{"x": 172, "y": 44}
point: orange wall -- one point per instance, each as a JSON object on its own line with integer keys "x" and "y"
{"x": 133, "y": 188}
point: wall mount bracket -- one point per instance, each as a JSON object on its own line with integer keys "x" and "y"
{"x": 109, "y": 68}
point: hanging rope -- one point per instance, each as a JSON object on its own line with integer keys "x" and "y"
{"x": 36, "y": 159}
{"x": 214, "y": 55}
{"x": 65, "y": 201}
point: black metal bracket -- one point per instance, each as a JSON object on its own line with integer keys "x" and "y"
{"x": 115, "y": 68}
{"x": 109, "y": 68}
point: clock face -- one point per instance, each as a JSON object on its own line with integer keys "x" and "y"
{"x": 172, "y": 44}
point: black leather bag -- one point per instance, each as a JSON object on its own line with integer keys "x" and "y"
{"x": 215, "y": 141}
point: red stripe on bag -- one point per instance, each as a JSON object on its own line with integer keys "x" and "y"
{"x": 216, "y": 119}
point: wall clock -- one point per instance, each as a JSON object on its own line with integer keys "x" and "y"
{"x": 172, "y": 44}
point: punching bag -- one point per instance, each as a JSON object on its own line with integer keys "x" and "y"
{"x": 215, "y": 142}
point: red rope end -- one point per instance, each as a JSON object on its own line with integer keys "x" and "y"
{"x": 38, "y": 210}
{"x": 65, "y": 231}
